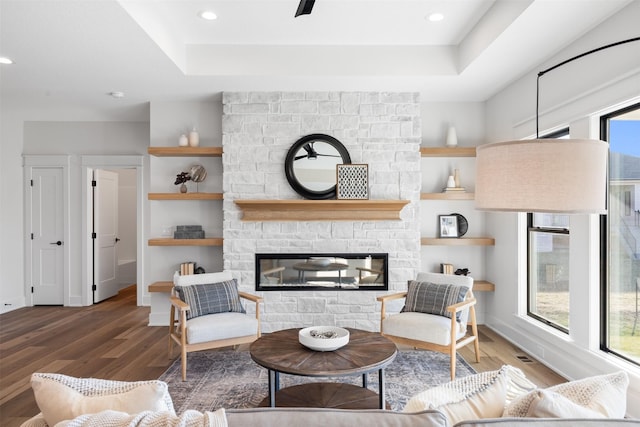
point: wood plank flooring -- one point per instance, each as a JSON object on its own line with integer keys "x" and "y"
{"x": 111, "y": 340}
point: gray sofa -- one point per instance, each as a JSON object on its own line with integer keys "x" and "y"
{"x": 312, "y": 417}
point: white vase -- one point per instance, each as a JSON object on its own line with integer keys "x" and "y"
{"x": 183, "y": 141}
{"x": 451, "y": 182}
{"x": 452, "y": 137}
{"x": 194, "y": 138}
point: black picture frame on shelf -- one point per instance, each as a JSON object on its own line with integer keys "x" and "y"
{"x": 448, "y": 226}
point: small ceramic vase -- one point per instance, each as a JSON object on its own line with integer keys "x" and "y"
{"x": 194, "y": 138}
{"x": 451, "y": 182}
{"x": 183, "y": 141}
{"x": 183, "y": 188}
{"x": 452, "y": 137}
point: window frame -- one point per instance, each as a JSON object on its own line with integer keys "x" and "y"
{"x": 553, "y": 230}
{"x": 604, "y": 247}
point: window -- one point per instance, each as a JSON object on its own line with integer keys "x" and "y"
{"x": 548, "y": 265}
{"x": 620, "y": 242}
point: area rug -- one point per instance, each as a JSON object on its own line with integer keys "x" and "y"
{"x": 230, "y": 379}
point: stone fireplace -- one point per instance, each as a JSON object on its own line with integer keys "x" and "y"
{"x": 379, "y": 129}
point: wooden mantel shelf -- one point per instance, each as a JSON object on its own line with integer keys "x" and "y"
{"x": 321, "y": 210}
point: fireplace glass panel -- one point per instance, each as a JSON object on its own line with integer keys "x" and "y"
{"x": 322, "y": 271}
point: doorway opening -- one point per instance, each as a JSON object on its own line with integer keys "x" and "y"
{"x": 112, "y": 224}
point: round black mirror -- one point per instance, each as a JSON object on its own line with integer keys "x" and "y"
{"x": 310, "y": 165}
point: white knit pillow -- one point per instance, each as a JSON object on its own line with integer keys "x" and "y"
{"x": 476, "y": 396}
{"x": 606, "y": 394}
{"x": 61, "y": 397}
{"x": 548, "y": 404}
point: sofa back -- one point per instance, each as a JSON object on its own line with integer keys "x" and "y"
{"x": 322, "y": 417}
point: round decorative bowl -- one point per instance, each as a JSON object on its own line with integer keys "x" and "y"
{"x": 323, "y": 338}
{"x": 320, "y": 262}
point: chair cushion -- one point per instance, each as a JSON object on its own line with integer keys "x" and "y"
{"x": 433, "y": 298}
{"x": 210, "y": 298}
{"x": 220, "y": 326}
{"x": 62, "y": 397}
{"x": 422, "y": 327}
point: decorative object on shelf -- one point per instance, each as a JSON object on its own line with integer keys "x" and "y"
{"x": 183, "y": 141}
{"x": 310, "y": 165}
{"x": 188, "y": 232}
{"x": 462, "y": 272}
{"x": 181, "y": 178}
{"x": 448, "y": 226}
{"x": 446, "y": 268}
{"x": 352, "y": 182}
{"x": 323, "y": 338}
{"x": 451, "y": 182}
{"x": 463, "y": 224}
{"x": 194, "y": 138}
{"x": 544, "y": 175}
{"x": 452, "y": 137}
{"x": 199, "y": 270}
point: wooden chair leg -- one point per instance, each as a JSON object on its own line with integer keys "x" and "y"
{"x": 183, "y": 357}
{"x": 453, "y": 363}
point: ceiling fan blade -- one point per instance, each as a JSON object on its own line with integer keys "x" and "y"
{"x": 305, "y": 7}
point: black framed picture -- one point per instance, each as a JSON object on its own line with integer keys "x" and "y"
{"x": 448, "y": 226}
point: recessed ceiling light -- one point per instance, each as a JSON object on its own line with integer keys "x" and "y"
{"x": 4, "y": 60}
{"x": 208, "y": 15}
{"x": 116, "y": 94}
{"x": 435, "y": 17}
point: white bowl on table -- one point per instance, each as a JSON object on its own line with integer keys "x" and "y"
{"x": 323, "y": 338}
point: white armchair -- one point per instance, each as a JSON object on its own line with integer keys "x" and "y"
{"x": 215, "y": 317}
{"x": 432, "y": 331}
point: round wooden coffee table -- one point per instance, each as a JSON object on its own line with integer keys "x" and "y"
{"x": 281, "y": 352}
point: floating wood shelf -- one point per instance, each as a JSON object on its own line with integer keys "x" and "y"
{"x": 448, "y": 151}
{"x": 185, "y": 151}
{"x": 447, "y": 196}
{"x": 461, "y": 241}
{"x": 185, "y": 196}
{"x": 478, "y": 286}
{"x": 321, "y": 210}
{"x": 168, "y": 241}
{"x": 166, "y": 286}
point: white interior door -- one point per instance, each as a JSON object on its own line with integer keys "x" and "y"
{"x": 105, "y": 228}
{"x": 47, "y": 232}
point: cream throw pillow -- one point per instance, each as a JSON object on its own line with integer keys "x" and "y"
{"x": 189, "y": 418}
{"x": 548, "y": 404}
{"x": 61, "y": 397}
{"x": 473, "y": 397}
{"x": 606, "y": 394}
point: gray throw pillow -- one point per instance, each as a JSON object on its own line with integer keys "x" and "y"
{"x": 210, "y": 298}
{"x": 433, "y": 298}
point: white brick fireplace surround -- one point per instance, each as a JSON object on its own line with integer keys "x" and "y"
{"x": 379, "y": 129}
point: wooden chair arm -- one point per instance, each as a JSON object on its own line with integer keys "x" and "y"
{"x": 461, "y": 305}
{"x": 273, "y": 270}
{"x": 179, "y": 304}
{"x": 390, "y": 297}
{"x": 255, "y": 298}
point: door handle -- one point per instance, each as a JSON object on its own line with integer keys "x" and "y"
{"x": 59, "y": 243}
{"x": 117, "y": 240}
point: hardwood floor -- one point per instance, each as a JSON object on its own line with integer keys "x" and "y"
{"x": 111, "y": 340}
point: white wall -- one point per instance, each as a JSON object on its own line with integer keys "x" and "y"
{"x": 52, "y": 138}
{"x": 569, "y": 96}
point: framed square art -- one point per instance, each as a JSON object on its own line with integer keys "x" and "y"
{"x": 448, "y": 226}
{"x": 352, "y": 182}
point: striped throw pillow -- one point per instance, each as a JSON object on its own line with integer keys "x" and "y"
{"x": 210, "y": 298}
{"x": 433, "y": 298}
